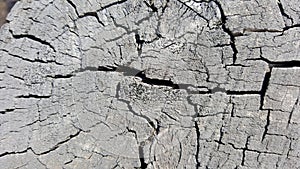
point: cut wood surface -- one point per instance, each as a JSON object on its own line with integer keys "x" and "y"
{"x": 96, "y": 84}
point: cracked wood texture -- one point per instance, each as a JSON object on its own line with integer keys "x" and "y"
{"x": 150, "y": 84}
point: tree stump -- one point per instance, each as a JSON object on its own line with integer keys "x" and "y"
{"x": 150, "y": 84}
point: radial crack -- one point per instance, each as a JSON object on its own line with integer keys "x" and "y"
{"x": 283, "y": 12}
{"x": 264, "y": 88}
{"x": 142, "y": 157}
{"x": 266, "y": 127}
{"x": 228, "y": 31}
{"x": 244, "y": 151}
{"x": 197, "y": 145}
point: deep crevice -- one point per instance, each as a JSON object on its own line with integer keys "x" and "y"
{"x": 33, "y": 96}
{"x": 232, "y": 109}
{"x": 266, "y": 127}
{"x": 285, "y": 64}
{"x": 180, "y": 154}
{"x": 139, "y": 42}
{"x": 34, "y": 38}
{"x": 277, "y": 64}
{"x": 107, "y": 68}
{"x": 93, "y": 14}
{"x": 157, "y": 82}
{"x": 228, "y": 31}
{"x": 142, "y": 158}
{"x": 6, "y": 111}
{"x": 67, "y": 76}
{"x": 158, "y": 127}
{"x": 151, "y": 6}
{"x": 198, "y": 145}
{"x": 95, "y": 69}
{"x": 244, "y": 151}
{"x": 132, "y": 131}
{"x": 165, "y": 7}
{"x": 74, "y": 6}
{"x": 221, "y": 137}
{"x": 230, "y": 92}
{"x": 14, "y": 153}
{"x": 261, "y": 30}
{"x": 283, "y": 12}
{"x": 114, "y": 3}
{"x": 290, "y": 27}
{"x": 264, "y": 88}
{"x": 272, "y": 64}
{"x": 129, "y": 71}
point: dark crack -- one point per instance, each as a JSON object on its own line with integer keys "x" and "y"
{"x": 112, "y": 4}
{"x": 141, "y": 151}
{"x": 60, "y": 143}
{"x": 16, "y": 77}
{"x": 266, "y": 127}
{"x": 157, "y": 130}
{"x": 33, "y": 96}
{"x": 165, "y": 7}
{"x": 283, "y": 12}
{"x": 261, "y": 30}
{"x": 151, "y": 6}
{"x": 221, "y": 137}
{"x": 293, "y": 109}
{"x": 157, "y": 82}
{"x": 34, "y": 38}
{"x": 279, "y": 64}
{"x": 252, "y": 150}
{"x": 249, "y": 92}
{"x": 284, "y": 64}
{"x": 15, "y": 152}
{"x": 233, "y": 107}
{"x": 150, "y": 122}
{"x": 197, "y": 145}
{"x": 133, "y": 132}
{"x": 139, "y": 42}
{"x": 272, "y": 64}
{"x": 193, "y": 10}
{"x": 107, "y": 68}
{"x": 74, "y": 6}
{"x": 7, "y": 111}
{"x": 93, "y": 14}
{"x": 264, "y": 88}
{"x": 290, "y": 27}
{"x": 60, "y": 76}
{"x": 142, "y": 157}
{"x": 129, "y": 71}
{"x": 244, "y": 151}
{"x": 228, "y": 31}
{"x": 36, "y": 60}
{"x": 180, "y": 154}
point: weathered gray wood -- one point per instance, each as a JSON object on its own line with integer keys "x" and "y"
{"x": 150, "y": 84}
